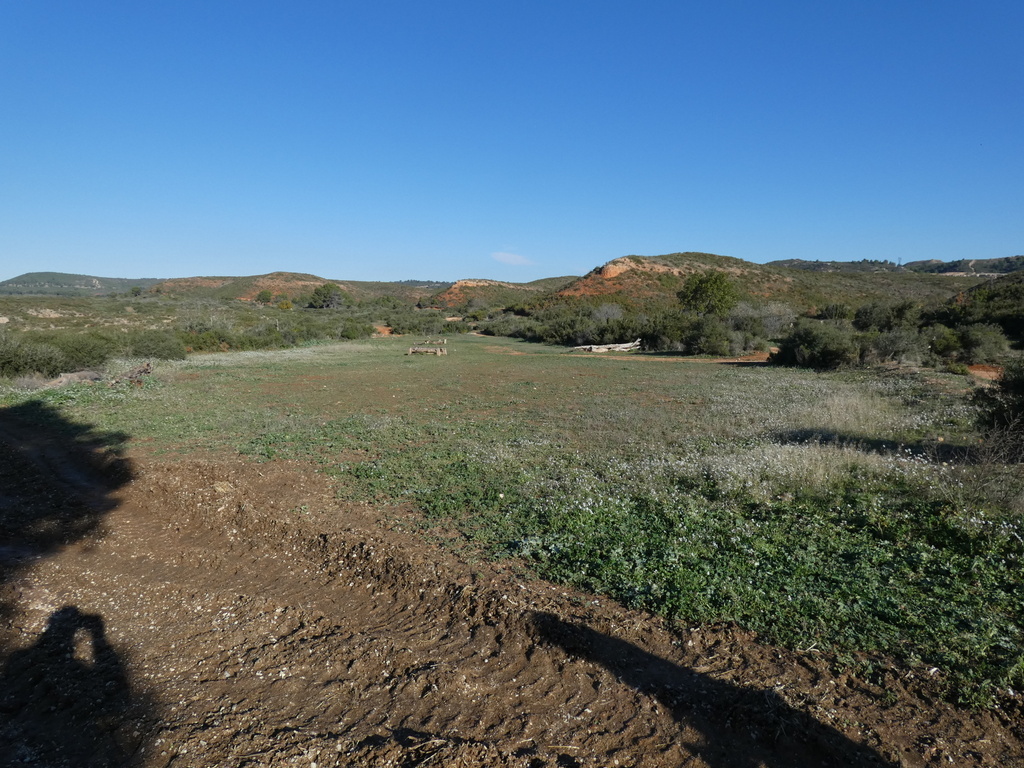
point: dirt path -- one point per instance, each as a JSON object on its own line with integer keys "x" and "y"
{"x": 216, "y": 612}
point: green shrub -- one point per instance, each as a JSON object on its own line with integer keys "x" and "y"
{"x": 19, "y": 356}
{"x": 163, "y": 345}
{"x": 821, "y": 345}
{"x": 328, "y": 296}
{"x": 707, "y": 336}
{"x": 78, "y": 351}
{"x": 982, "y": 343}
{"x": 877, "y": 316}
{"x": 836, "y": 312}
{"x": 1001, "y": 411}
{"x": 942, "y": 341}
{"x": 900, "y": 345}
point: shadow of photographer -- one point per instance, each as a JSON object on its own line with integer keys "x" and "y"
{"x": 65, "y": 699}
{"x": 740, "y": 727}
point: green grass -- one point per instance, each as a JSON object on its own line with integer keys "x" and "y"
{"x": 820, "y": 509}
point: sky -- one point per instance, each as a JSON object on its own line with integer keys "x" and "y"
{"x": 396, "y": 140}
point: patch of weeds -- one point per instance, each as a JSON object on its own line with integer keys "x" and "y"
{"x": 877, "y": 571}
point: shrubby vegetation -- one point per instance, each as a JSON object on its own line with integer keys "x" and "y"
{"x": 1001, "y": 413}
{"x": 835, "y": 342}
{"x": 50, "y": 353}
{"x": 711, "y": 312}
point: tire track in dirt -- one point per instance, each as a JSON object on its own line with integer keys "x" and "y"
{"x": 264, "y": 624}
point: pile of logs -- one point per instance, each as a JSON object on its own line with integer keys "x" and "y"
{"x": 427, "y": 351}
{"x": 430, "y": 347}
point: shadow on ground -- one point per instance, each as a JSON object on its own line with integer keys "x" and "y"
{"x": 65, "y": 699}
{"x": 740, "y": 727}
{"x": 932, "y": 450}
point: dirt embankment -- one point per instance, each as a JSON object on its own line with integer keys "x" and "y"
{"x": 215, "y": 612}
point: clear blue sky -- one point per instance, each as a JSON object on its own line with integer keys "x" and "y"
{"x": 389, "y": 140}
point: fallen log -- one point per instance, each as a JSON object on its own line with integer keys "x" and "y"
{"x": 609, "y": 347}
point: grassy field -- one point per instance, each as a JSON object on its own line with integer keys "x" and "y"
{"x": 851, "y": 511}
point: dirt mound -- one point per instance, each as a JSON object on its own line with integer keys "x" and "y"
{"x": 235, "y": 614}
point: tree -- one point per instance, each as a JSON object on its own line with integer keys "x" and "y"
{"x": 709, "y": 293}
{"x": 327, "y": 296}
{"x": 264, "y": 297}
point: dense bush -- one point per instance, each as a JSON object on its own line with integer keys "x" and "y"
{"x": 328, "y": 296}
{"x": 162, "y": 345}
{"x": 1001, "y": 412}
{"x": 982, "y": 343}
{"x": 51, "y": 353}
{"x": 901, "y": 345}
{"x": 999, "y": 302}
{"x": 942, "y": 341}
{"x": 876, "y": 316}
{"x": 821, "y": 345}
{"x": 889, "y": 334}
{"x": 836, "y": 312}
{"x": 18, "y": 356}
{"x": 707, "y": 336}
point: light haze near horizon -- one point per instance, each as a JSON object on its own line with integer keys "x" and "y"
{"x": 397, "y": 140}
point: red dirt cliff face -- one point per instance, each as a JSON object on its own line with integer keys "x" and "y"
{"x": 625, "y": 275}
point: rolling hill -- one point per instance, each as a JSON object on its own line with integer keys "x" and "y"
{"x": 629, "y": 280}
{"x": 63, "y": 284}
{"x": 292, "y": 285}
{"x": 657, "y": 279}
{"x": 469, "y": 294}
{"x": 960, "y": 266}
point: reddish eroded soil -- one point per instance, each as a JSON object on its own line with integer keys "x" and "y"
{"x": 987, "y": 372}
{"x": 210, "y": 611}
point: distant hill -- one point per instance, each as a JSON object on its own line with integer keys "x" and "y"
{"x": 292, "y": 285}
{"x": 631, "y": 280}
{"x": 934, "y": 266}
{"x": 468, "y": 294}
{"x": 864, "y": 265}
{"x": 62, "y": 284}
{"x": 655, "y": 280}
{"x": 970, "y": 266}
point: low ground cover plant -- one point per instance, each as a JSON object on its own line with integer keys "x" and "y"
{"x": 816, "y": 508}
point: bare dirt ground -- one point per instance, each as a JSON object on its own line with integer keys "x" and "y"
{"x": 213, "y": 612}
{"x": 987, "y": 372}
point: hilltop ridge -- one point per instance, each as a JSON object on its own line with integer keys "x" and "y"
{"x": 64, "y": 284}
{"x": 630, "y": 279}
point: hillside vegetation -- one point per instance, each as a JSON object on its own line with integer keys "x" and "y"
{"x": 293, "y": 286}
{"x": 960, "y": 266}
{"x": 61, "y": 284}
{"x": 845, "y": 317}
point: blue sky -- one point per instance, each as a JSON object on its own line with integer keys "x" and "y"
{"x": 391, "y": 140}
